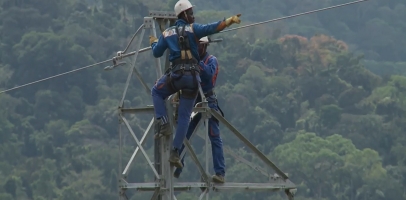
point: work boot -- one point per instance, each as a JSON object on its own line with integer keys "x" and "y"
{"x": 162, "y": 128}
{"x": 177, "y": 172}
{"x": 218, "y": 178}
{"x": 174, "y": 159}
{"x": 176, "y": 175}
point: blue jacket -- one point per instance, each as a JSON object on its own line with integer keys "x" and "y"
{"x": 169, "y": 38}
{"x": 209, "y": 69}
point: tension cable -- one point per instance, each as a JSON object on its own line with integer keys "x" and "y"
{"x": 149, "y": 48}
{"x": 291, "y": 16}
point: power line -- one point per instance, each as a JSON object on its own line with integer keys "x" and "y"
{"x": 291, "y": 16}
{"x": 232, "y": 29}
{"x": 51, "y": 77}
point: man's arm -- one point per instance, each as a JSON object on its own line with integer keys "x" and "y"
{"x": 158, "y": 48}
{"x": 201, "y": 30}
{"x": 210, "y": 68}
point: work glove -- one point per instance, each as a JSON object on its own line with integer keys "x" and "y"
{"x": 152, "y": 39}
{"x": 233, "y": 20}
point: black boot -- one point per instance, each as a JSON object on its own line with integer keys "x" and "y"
{"x": 174, "y": 158}
{"x": 176, "y": 175}
{"x": 218, "y": 178}
{"x": 162, "y": 128}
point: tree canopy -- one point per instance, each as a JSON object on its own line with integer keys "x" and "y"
{"x": 322, "y": 95}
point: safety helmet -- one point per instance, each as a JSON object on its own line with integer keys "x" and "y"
{"x": 204, "y": 40}
{"x": 181, "y": 6}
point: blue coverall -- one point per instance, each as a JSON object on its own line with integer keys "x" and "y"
{"x": 160, "y": 91}
{"x": 208, "y": 74}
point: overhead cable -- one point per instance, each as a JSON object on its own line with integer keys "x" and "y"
{"x": 136, "y": 33}
{"x": 51, "y": 77}
{"x": 291, "y": 16}
{"x": 148, "y": 48}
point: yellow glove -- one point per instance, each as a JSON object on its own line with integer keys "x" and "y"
{"x": 233, "y": 20}
{"x": 152, "y": 39}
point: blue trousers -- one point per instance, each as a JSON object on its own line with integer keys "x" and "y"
{"x": 215, "y": 139}
{"x": 161, "y": 91}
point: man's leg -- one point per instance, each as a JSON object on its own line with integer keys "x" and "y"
{"x": 186, "y": 102}
{"x": 217, "y": 150}
{"x": 191, "y": 128}
{"x": 159, "y": 93}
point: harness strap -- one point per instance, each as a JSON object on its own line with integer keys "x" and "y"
{"x": 184, "y": 47}
{"x": 184, "y": 44}
{"x": 187, "y": 44}
{"x": 222, "y": 114}
{"x": 185, "y": 63}
{"x": 181, "y": 40}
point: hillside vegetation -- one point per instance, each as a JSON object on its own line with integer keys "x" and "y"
{"x": 322, "y": 95}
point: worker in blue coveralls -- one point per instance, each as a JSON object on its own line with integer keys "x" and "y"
{"x": 183, "y": 75}
{"x": 208, "y": 74}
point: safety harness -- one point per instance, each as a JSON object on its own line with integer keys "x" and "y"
{"x": 186, "y": 63}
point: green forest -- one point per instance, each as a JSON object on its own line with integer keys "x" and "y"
{"x": 322, "y": 95}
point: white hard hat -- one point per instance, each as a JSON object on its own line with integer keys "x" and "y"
{"x": 181, "y": 6}
{"x": 204, "y": 39}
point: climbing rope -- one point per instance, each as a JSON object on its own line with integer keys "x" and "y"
{"x": 121, "y": 54}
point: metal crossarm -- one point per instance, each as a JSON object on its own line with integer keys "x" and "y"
{"x": 150, "y": 110}
{"x": 248, "y": 143}
{"x": 272, "y": 186}
{"x": 195, "y": 160}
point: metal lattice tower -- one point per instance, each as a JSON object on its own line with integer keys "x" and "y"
{"x": 164, "y": 185}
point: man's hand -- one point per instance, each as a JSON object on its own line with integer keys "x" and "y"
{"x": 202, "y": 65}
{"x": 152, "y": 39}
{"x": 233, "y": 20}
